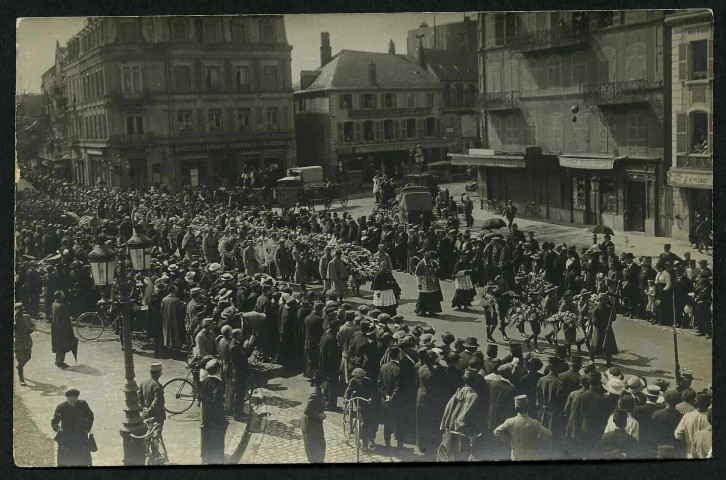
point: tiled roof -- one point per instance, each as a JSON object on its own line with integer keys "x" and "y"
{"x": 349, "y": 70}
{"x": 452, "y": 66}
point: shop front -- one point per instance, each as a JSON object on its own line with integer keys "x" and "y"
{"x": 692, "y": 200}
{"x": 397, "y": 160}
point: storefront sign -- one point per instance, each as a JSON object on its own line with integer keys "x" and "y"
{"x": 228, "y": 146}
{"x": 94, "y": 152}
{"x": 587, "y": 163}
{"x": 503, "y": 161}
{"x": 680, "y": 178}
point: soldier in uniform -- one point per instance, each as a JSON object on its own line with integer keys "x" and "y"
{"x": 151, "y": 396}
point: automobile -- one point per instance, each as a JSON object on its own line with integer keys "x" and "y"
{"x": 414, "y": 207}
{"x": 427, "y": 180}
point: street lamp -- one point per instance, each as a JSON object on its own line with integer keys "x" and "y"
{"x": 103, "y": 264}
{"x": 139, "y": 248}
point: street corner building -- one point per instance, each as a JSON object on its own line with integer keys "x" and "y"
{"x": 597, "y": 117}
{"x": 170, "y": 101}
{"x": 363, "y": 111}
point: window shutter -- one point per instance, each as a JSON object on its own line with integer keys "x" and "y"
{"x": 357, "y": 131}
{"x": 396, "y": 128}
{"x": 377, "y": 130}
{"x": 710, "y": 131}
{"x": 340, "y": 133}
{"x": 683, "y": 61}
{"x": 710, "y": 58}
{"x": 681, "y": 132}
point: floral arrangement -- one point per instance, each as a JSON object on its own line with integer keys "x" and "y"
{"x": 521, "y": 313}
{"x": 565, "y": 319}
{"x": 537, "y": 283}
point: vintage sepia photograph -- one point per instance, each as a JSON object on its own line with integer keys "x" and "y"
{"x": 363, "y": 238}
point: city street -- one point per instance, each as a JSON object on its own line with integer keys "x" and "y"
{"x": 645, "y": 350}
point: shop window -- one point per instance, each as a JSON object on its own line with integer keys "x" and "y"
{"x": 699, "y": 60}
{"x": 242, "y": 77}
{"x": 273, "y": 119}
{"x": 184, "y": 121}
{"x": 131, "y": 78}
{"x": 214, "y": 120}
{"x": 213, "y": 78}
{"x": 368, "y": 130}
{"x": 346, "y": 101}
{"x": 608, "y": 195}
{"x": 243, "y": 119}
{"x": 348, "y": 132}
{"x": 579, "y": 192}
{"x": 410, "y": 128}
{"x": 698, "y": 122}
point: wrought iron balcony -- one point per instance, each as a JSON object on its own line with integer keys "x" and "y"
{"x": 700, "y": 161}
{"x": 389, "y": 112}
{"x": 130, "y": 99}
{"x": 618, "y": 93}
{"x": 557, "y": 37}
{"x": 499, "y": 101}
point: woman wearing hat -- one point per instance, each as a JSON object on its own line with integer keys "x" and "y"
{"x": 465, "y": 291}
{"x": 664, "y": 294}
{"x": 311, "y": 422}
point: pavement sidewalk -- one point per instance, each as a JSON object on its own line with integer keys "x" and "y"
{"x": 99, "y": 376}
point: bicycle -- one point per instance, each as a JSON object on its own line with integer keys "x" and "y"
{"x": 185, "y": 392}
{"x": 91, "y": 325}
{"x": 444, "y": 455}
{"x": 156, "y": 453}
{"x": 352, "y": 422}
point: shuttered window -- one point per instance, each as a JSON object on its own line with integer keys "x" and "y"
{"x": 681, "y": 133}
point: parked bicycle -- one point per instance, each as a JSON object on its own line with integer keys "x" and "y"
{"x": 443, "y": 454}
{"x": 532, "y": 210}
{"x": 156, "y": 453}
{"x": 352, "y": 422}
{"x": 91, "y": 325}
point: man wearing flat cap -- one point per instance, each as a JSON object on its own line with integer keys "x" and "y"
{"x": 204, "y": 342}
{"x": 72, "y": 422}
{"x": 151, "y": 396}
{"x": 526, "y": 435}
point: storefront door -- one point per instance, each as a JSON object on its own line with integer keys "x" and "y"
{"x": 700, "y": 204}
{"x": 635, "y": 219}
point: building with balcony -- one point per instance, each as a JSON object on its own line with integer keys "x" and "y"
{"x": 56, "y": 146}
{"x": 178, "y": 101}
{"x": 361, "y": 111}
{"x": 690, "y": 177}
{"x": 572, "y": 107}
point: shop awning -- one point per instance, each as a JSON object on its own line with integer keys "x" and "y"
{"x": 488, "y": 158}
{"x": 690, "y": 178}
{"x": 589, "y": 162}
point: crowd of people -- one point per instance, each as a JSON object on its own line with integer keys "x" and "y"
{"x": 226, "y": 279}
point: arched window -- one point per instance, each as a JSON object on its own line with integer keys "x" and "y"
{"x": 635, "y": 62}
{"x": 554, "y": 71}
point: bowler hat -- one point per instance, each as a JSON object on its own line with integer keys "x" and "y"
{"x": 516, "y": 349}
{"x": 72, "y": 393}
{"x": 471, "y": 342}
{"x": 447, "y": 337}
{"x": 492, "y": 350}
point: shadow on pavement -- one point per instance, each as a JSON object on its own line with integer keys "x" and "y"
{"x": 46, "y": 389}
{"x": 275, "y": 428}
{"x": 282, "y": 402}
{"x": 455, "y": 318}
{"x": 85, "y": 370}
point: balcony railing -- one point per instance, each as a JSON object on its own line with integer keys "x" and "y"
{"x": 133, "y": 139}
{"x": 561, "y": 36}
{"x": 499, "y": 101}
{"x": 701, "y": 161}
{"x": 389, "y": 112}
{"x": 618, "y": 93}
{"x": 130, "y": 99}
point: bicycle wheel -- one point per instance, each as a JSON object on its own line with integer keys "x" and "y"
{"x": 179, "y": 395}
{"x": 90, "y": 325}
{"x": 252, "y": 402}
{"x": 346, "y": 423}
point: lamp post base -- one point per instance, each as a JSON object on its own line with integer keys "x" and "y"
{"x": 134, "y": 449}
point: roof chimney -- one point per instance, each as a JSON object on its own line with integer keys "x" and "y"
{"x": 372, "y": 72}
{"x": 420, "y": 51}
{"x": 391, "y": 47}
{"x": 325, "y": 54}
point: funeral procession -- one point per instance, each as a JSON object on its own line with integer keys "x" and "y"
{"x": 470, "y": 237}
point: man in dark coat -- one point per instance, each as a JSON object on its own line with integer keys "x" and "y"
{"x": 72, "y": 421}
{"x": 62, "y": 338}
{"x": 550, "y": 400}
{"x": 447, "y": 254}
{"x": 401, "y": 249}
{"x": 390, "y": 388}
{"x": 588, "y": 417}
{"x": 631, "y": 286}
{"x": 239, "y": 353}
{"x": 214, "y": 422}
{"x": 313, "y": 334}
{"x": 644, "y": 415}
{"x": 571, "y": 378}
{"x": 618, "y": 444}
{"x": 603, "y": 339}
{"x": 330, "y": 358}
